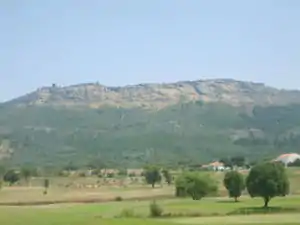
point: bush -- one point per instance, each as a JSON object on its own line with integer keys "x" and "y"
{"x": 118, "y": 199}
{"x": 195, "y": 185}
{"x": 180, "y": 187}
{"x": 82, "y": 174}
{"x": 127, "y": 213}
{"x": 167, "y": 175}
{"x": 155, "y": 210}
{"x": 122, "y": 172}
{"x": 132, "y": 175}
{"x": 110, "y": 175}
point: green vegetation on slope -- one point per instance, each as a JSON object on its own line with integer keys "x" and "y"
{"x": 183, "y": 133}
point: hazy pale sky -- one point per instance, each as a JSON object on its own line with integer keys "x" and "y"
{"x": 119, "y": 42}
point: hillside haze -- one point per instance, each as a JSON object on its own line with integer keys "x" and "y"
{"x": 190, "y": 122}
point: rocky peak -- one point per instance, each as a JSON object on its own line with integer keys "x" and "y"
{"x": 161, "y": 95}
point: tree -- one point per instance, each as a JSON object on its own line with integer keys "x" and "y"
{"x": 181, "y": 185}
{"x": 296, "y": 163}
{"x": 238, "y": 161}
{"x": 122, "y": 172}
{"x": 46, "y": 186}
{"x": 233, "y": 161}
{"x": 195, "y": 185}
{"x": 152, "y": 175}
{"x": 11, "y": 177}
{"x": 2, "y": 171}
{"x": 167, "y": 176}
{"x": 234, "y": 183}
{"x": 267, "y": 180}
{"x": 27, "y": 173}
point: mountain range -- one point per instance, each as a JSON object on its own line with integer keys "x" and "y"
{"x": 168, "y": 123}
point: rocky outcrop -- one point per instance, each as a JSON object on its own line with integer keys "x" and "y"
{"x": 157, "y": 96}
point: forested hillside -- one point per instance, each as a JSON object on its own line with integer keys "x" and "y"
{"x": 192, "y": 132}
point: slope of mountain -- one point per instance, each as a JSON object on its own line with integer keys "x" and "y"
{"x": 161, "y": 123}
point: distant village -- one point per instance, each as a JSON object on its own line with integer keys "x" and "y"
{"x": 219, "y": 165}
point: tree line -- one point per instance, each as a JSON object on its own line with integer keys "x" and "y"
{"x": 12, "y": 176}
{"x": 266, "y": 180}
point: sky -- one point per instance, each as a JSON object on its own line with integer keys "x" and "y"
{"x": 121, "y": 42}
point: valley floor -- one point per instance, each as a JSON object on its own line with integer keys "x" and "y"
{"x": 181, "y": 211}
{"x": 115, "y": 205}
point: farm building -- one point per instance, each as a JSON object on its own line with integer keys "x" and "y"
{"x": 216, "y": 166}
{"x": 287, "y": 158}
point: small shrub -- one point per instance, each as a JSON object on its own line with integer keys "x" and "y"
{"x": 131, "y": 174}
{"x": 62, "y": 173}
{"x": 155, "y": 210}
{"x": 122, "y": 173}
{"x": 118, "y": 199}
{"x": 81, "y": 174}
{"x": 127, "y": 213}
{"x": 110, "y": 175}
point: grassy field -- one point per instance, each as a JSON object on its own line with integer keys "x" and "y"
{"x": 34, "y": 195}
{"x": 134, "y": 209}
{"x": 93, "y": 189}
{"x": 183, "y": 211}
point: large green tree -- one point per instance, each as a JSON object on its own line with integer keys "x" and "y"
{"x": 152, "y": 175}
{"x": 267, "y": 180}
{"x": 234, "y": 183}
{"x": 195, "y": 185}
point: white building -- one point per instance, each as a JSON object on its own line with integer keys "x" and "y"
{"x": 287, "y": 158}
{"x": 216, "y": 166}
